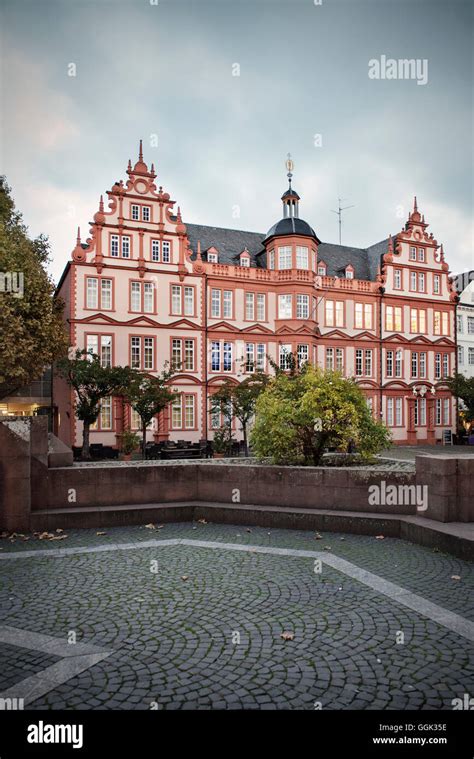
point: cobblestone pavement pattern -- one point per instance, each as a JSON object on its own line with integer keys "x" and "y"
{"x": 204, "y": 631}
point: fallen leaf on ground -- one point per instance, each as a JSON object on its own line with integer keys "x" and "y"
{"x": 101, "y": 533}
{"x": 202, "y": 521}
{"x": 380, "y": 537}
{"x": 455, "y": 577}
{"x": 185, "y": 577}
{"x": 287, "y": 636}
{"x": 159, "y": 526}
{"x": 248, "y": 529}
{"x": 327, "y": 548}
{"x": 318, "y": 536}
{"x": 58, "y": 530}
{"x": 150, "y": 526}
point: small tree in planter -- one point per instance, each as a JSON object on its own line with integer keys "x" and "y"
{"x": 92, "y": 383}
{"x": 239, "y": 401}
{"x": 299, "y": 415}
{"x": 129, "y": 443}
{"x": 148, "y": 396}
{"x": 222, "y": 441}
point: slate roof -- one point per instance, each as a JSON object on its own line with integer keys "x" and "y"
{"x": 231, "y": 242}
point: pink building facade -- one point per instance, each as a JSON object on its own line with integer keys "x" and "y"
{"x": 147, "y": 288}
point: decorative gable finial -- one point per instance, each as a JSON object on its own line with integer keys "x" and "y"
{"x": 101, "y": 204}
{"x": 78, "y": 254}
{"x": 390, "y": 244}
{"x": 415, "y": 205}
{"x": 199, "y": 257}
{"x": 140, "y": 152}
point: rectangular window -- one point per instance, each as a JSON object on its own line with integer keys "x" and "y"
{"x": 261, "y": 357}
{"x": 339, "y": 359}
{"x": 302, "y": 306}
{"x": 285, "y": 356}
{"x": 460, "y": 354}
{"x": 460, "y": 323}
{"x": 330, "y": 359}
{"x": 393, "y": 318}
{"x": 105, "y": 416}
{"x": 358, "y": 362}
{"x": 368, "y": 315}
{"x": 176, "y": 299}
{"x": 245, "y": 261}
{"x": 441, "y": 323}
{"x": 470, "y": 325}
{"x": 125, "y": 246}
{"x": 227, "y": 304}
{"x": 421, "y": 255}
{"x": 414, "y": 364}
{"x": 422, "y": 402}
{"x": 114, "y": 245}
{"x": 397, "y": 279}
{"x": 249, "y": 357}
{"x": 271, "y": 259}
{"x": 389, "y": 364}
{"x": 339, "y": 313}
{"x": 136, "y": 359}
{"x": 398, "y": 363}
{"x": 92, "y": 298}
{"x": 92, "y": 345}
{"x": 249, "y": 306}
{"x": 148, "y": 353}
{"x": 261, "y": 307}
{"x": 189, "y": 412}
{"x": 390, "y": 412}
{"x": 470, "y": 356}
{"x": 446, "y": 414}
{"x": 368, "y": 363}
{"x": 105, "y": 294}
{"x": 445, "y": 323}
{"x": 329, "y": 313}
{"x": 285, "y": 307}
{"x": 148, "y": 298}
{"x": 135, "y": 296}
{"x": 436, "y": 284}
{"x": 421, "y": 282}
{"x": 227, "y": 357}
{"x": 135, "y": 213}
{"x": 359, "y": 316}
{"x": 215, "y": 303}
{"x": 438, "y": 410}
{"x": 166, "y": 251}
{"x": 155, "y": 250}
{"x": 177, "y": 413}
{"x": 176, "y": 354}
{"x": 412, "y": 253}
{"x": 437, "y": 365}
{"x": 146, "y": 213}
{"x": 284, "y": 257}
{"x": 413, "y": 280}
{"x": 301, "y": 257}
{"x": 106, "y": 350}
{"x": 445, "y": 365}
{"x": 188, "y": 301}
{"x": 422, "y": 360}
{"x": 302, "y": 354}
{"x": 215, "y": 356}
{"x": 189, "y": 355}
{"x": 398, "y": 412}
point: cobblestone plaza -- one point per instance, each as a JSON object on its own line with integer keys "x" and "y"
{"x": 207, "y": 616}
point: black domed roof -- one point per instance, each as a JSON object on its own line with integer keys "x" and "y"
{"x": 290, "y": 193}
{"x": 291, "y": 226}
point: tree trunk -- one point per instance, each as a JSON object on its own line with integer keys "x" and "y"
{"x": 244, "y": 431}
{"x": 85, "y": 453}
{"x": 144, "y": 440}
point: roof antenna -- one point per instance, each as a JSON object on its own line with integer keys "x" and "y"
{"x": 339, "y": 214}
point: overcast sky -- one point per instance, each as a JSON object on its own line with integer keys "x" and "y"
{"x": 166, "y": 69}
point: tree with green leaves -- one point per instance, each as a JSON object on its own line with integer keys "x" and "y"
{"x": 463, "y": 388}
{"x": 31, "y": 323}
{"x": 148, "y": 396}
{"x": 91, "y": 382}
{"x": 300, "y": 414}
{"x": 238, "y": 401}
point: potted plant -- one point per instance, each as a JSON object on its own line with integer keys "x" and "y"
{"x": 129, "y": 443}
{"x": 221, "y": 442}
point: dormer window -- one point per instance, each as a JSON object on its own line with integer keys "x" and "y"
{"x": 349, "y": 272}
{"x": 212, "y": 258}
{"x": 245, "y": 258}
{"x": 322, "y": 269}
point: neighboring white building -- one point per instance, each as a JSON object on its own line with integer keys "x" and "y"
{"x": 465, "y": 324}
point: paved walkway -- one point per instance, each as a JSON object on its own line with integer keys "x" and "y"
{"x": 214, "y": 616}
{"x": 409, "y": 452}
